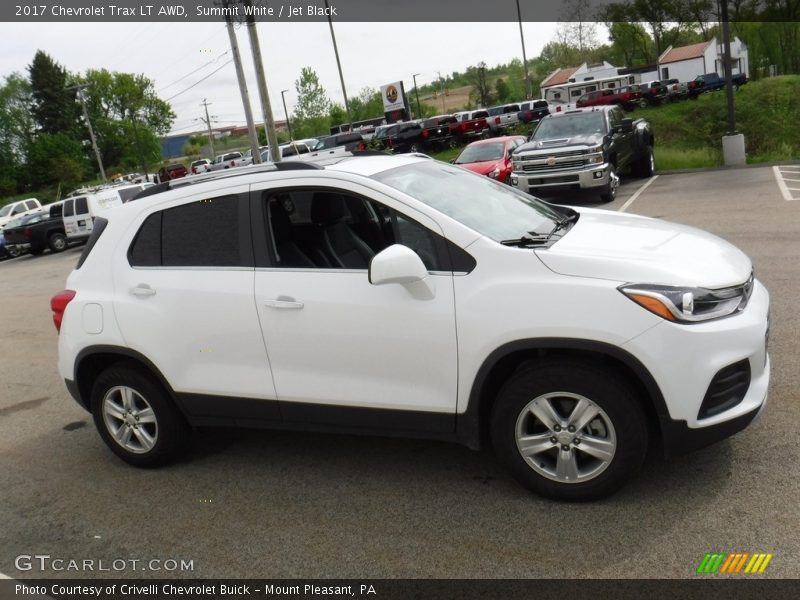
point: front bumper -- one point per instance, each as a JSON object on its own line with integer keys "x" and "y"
{"x": 584, "y": 178}
{"x": 684, "y": 360}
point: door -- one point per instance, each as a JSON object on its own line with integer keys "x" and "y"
{"x": 337, "y": 342}
{"x": 184, "y": 299}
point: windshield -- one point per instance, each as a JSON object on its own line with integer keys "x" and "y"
{"x": 480, "y": 153}
{"x": 490, "y": 208}
{"x": 570, "y": 126}
{"x": 6, "y": 210}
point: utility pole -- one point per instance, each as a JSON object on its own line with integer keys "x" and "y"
{"x": 286, "y": 112}
{"x": 237, "y": 60}
{"x": 80, "y": 89}
{"x": 416, "y": 91}
{"x": 339, "y": 65}
{"x": 266, "y": 105}
{"x": 528, "y": 89}
{"x": 441, "y": 87}
{"x": 204, "y": 104}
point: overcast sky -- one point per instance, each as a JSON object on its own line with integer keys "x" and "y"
{"x": 372, "y": 54}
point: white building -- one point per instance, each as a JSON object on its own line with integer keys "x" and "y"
{"x": 687, "y": 62}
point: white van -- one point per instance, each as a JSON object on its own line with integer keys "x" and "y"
{"x": 80, "y": 211}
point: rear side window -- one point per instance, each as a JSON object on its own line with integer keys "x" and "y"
{"x": 68, "y": 208}
{"x": 99, "y": 226}
{"x": 31, "y": 204}
{"x": 81, "y": 206}
{"x": 199, "y": 234}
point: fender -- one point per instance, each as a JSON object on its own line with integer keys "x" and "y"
{"x": 468, "y": 423}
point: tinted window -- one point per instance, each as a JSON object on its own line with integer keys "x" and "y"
{"x": 99, "y": 226}
{"x": 128, "y": 193}
{"x": 199, "y": 234}
{"x": 31, "y": 204}
{"x": 68, "y": 208}
{"x": 306, "y": 234}
{"x": 146, "y": 248}
{"x": 81, "y": 206}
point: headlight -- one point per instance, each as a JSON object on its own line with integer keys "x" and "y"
{"x": 689, "y": 304}
{"x": 598, "y": 159}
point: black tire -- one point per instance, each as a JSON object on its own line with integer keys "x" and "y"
{"x": 610, "y": 190}
{"x": 57, "y": 242}
{"x": 645, "y": 166}
{"x": 644, "y": 103}
{"x": 169, "y": 431}
{"x": 607, "y": 390}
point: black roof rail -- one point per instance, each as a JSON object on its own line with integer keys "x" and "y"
{"x": 369, "y": 153}
{"x": 295, "y": 165}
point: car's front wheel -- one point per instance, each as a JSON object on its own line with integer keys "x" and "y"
{"x": 135, "y": 416}
{"x": 610, "y": 191}
{"x": 569, "y": 430}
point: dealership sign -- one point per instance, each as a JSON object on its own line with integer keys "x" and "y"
{"x": 394, "y": 97}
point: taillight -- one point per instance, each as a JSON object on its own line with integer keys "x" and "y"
{"x": 558, "y": 109}
{"x": 58, "y": 304}
{"x": 424, "y": 133}
{"x": 497, "y": 120}
{"x": 361, "y": 147}
{"x": 530, "y": 116}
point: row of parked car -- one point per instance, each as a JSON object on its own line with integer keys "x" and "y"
{"x": 27, "y": 226}
{"x": 653, "y": 93}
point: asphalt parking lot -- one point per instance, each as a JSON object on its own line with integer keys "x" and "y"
{"x": 285, "y": 505}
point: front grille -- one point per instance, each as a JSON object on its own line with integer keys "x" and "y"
{"x": 727, "y": 389}
{"x": 571, "y": 164}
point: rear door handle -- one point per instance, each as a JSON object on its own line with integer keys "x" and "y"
{"x": 143, "y": 290}
{"x": 284, "y": 302}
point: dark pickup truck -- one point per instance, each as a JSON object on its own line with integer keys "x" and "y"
{"x": 583, "y": 149}
{"x": 532, "y": 110}
{"x": 34, "y": 233}
{"x": 712, "y": 81}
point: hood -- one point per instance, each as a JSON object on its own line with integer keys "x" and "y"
{"x": 589, "y": 139}
{"x": 634, "y": 249}
{"x": 482, "y": 168}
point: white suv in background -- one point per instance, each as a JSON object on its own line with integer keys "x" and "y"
{"x": 401, "y": 295}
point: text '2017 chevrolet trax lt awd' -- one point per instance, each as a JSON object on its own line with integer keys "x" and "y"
{"x": 405, "y": 296}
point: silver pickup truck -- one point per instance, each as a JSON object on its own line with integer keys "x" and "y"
{"x": 583, "y": 149}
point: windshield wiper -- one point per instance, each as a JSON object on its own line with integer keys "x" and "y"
{"x": 532, "y": 238}
{"x": 563, "y": 222}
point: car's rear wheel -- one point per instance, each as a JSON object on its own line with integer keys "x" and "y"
{"x": 57, "y": 242}
{"x": 37, "y": 250}
{"x": 135, "y": 416}
{"x": 569, "y": 430}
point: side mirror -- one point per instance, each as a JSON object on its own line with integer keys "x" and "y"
{"x": 396, "y": 264}
{"x": 625, "y": 126}
{"x": 452, "y": 161}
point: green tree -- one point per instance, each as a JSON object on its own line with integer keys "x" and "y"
{"x": 17, "y": 128}
{"x": 502, "y": 89}
{"x": 127, "y": 117}
{"x": 311, "y": 114}
{"x": 54, "y": 108}
{"x": 55, "y": 158}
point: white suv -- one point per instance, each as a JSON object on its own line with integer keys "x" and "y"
{"x": 400, "y": 295}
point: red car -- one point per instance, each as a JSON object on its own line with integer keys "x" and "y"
{"x": 491, "y": 157}
{"x": 169, "y": 172}
{"x": 627, "y": 96}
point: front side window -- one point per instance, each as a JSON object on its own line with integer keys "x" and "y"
{"x": 199, "y": 234}
{"x": 497, "y": 211}
{"x": 334, "y": 229}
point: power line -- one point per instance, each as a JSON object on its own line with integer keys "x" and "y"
{"x": 198, "y": 82}
{"x": 195, "y": 71}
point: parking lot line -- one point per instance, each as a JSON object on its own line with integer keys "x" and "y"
{"x": 787, "y": 195}
{"x": 633, "y": 198}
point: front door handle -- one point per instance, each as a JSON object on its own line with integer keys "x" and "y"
{"x": 143, "y": 290}
{"x": 284, "y": 302}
